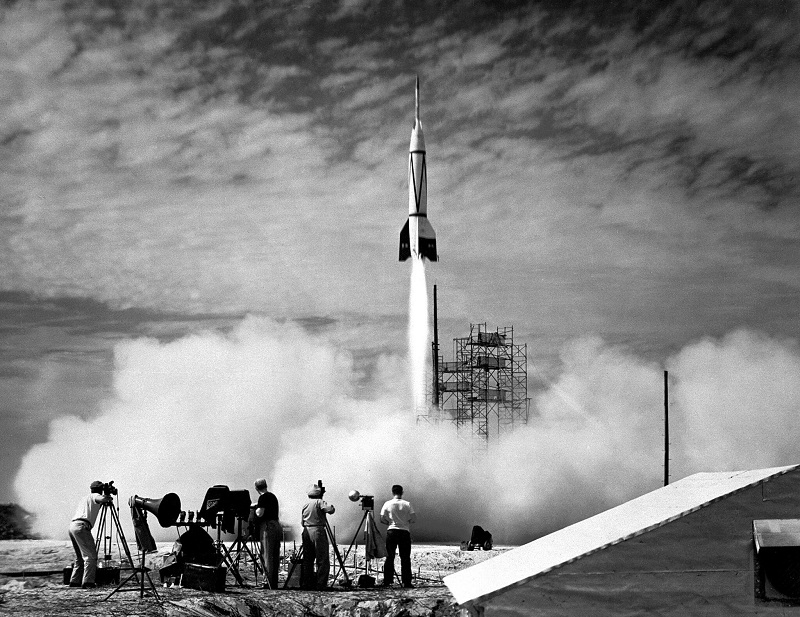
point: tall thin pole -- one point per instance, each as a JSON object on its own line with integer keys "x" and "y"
{"x": 666, "y": 428}
{"x": 435, "y": 350}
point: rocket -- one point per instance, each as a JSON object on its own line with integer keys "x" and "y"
{"x": 417, "y": 238}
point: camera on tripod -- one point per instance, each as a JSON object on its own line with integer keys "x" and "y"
{"x": 108, "y": 488}
{"x": 367, "y": 501}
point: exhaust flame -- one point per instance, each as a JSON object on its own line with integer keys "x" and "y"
{"x": 418, "y": 332}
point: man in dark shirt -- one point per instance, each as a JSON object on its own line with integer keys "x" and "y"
{"x": 270, "y": 531}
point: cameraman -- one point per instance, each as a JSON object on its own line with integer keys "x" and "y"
{"x": 315, "y": 539}
{"x": 80, "y": 532}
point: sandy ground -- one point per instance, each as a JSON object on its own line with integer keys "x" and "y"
{"x": 29, "y": 592}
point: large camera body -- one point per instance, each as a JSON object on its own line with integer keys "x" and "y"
{"x": 108, "y": 488}
{"x": 367, "y": 501}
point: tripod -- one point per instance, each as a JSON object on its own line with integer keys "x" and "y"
{"x": 373, "y": 542}
{"x": 107, "y": 541}
{"x": 339, "y": 561}
{"x": 224, "y": 554}
{"x": 241, "y": 546}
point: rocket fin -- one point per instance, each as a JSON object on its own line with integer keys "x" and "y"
{"x": 405, "y": 243}
{"x": 427, "y": 249}
{"x": 427, "y": 240}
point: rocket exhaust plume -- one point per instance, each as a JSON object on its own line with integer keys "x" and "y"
{"x": 418, "y": 332}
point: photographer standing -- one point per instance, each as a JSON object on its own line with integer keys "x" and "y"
{"x": 270, "y": 532}
{"x": 80, "y": 532}
{"x": 398, "y": 514}
{"x": 315, "y": 539}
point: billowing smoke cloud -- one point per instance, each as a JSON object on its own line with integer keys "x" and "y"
{"x": 272, "y": 400}
{"x": 736, "y": 404}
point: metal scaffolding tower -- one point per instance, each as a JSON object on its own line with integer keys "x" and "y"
{"x": 484, "y": 390}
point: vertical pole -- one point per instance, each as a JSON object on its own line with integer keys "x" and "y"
{"x": 435, "y": 351}
{"x": 666, "y": 428}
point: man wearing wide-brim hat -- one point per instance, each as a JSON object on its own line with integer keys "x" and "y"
{"x": 315, "y": 540}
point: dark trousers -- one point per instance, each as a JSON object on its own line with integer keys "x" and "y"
{"x": 315, "y": 553}
{"x": 397, "y": 540}
{"x": 271, "y": 534}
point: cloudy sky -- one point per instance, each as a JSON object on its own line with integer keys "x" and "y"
{"x": 618, "y": 181}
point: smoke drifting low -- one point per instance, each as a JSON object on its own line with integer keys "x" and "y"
{"x": 272, "y": 400}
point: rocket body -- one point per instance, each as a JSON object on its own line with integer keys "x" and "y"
{"x": 417, "y": 238}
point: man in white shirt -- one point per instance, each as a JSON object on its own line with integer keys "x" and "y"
{"x": 80, "y": 532}
{"x": 399, "y": 515}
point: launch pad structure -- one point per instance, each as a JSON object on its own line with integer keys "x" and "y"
{"x": 484, "y": 389}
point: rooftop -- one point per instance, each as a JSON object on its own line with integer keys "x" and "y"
{"x": 596, "y": 533}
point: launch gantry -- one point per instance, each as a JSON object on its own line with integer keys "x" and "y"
{"x": 484, "y": 390}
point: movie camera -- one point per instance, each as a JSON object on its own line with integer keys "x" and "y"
{"x": 108, "y": 488}
{"x": 367, "y": 501}
{"x": 222, "y": 506}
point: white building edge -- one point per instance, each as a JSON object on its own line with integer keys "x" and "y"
{"x": 721, "y": 543}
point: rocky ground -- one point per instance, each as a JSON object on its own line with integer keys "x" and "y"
{"x": 26, "y": 588}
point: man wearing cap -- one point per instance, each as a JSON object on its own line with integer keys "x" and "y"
{"x": 399, "y": 515}
{"x": 80, "y": 532}
{"x": 315, "y": 539}
{"x": 270, "y": 532}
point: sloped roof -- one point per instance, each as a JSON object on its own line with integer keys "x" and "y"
{"x": 626, "y": 521}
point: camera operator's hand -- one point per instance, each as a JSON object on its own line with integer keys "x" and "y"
{"x": 100, "y": 498}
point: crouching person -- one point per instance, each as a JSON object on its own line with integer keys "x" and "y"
{"x": 80, "y": 532}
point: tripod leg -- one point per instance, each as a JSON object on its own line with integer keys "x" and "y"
{"x": 347, "y": 582}
{"x": 134, "y": 574}
{"x": 150, "y": 580}
{"x": 228, "y": 560}
{"x": 121, "y": 584}
{"x": 101, "y": 529}
{"x": 297, "y": 559}
{"x": 121, "y": 539}
{"x": 141, "y": 588}
{"x": 355, "y": 536}
{"x": 136, "y": 571}
{"x": 241, "y": 546}
{"x": 256, "y": 561}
